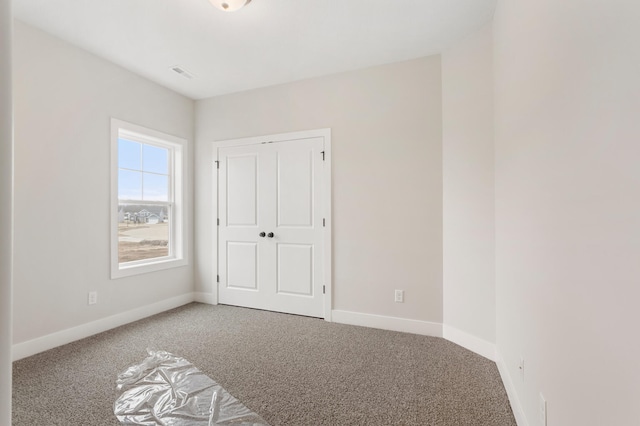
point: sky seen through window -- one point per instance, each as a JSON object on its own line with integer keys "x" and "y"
{"x": 143, "y": 171}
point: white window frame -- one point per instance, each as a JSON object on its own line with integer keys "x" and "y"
{"x": 177, "y": 235}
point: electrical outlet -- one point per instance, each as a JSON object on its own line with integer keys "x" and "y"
{"x": 543, "y": 411}
{"x": 399, "y": 296}
{"x": 93, "y": 297}
{"x": 521, "y": 368}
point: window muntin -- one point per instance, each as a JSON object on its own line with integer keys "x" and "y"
{"x": 147, "y": 227}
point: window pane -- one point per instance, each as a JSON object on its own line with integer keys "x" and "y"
{"x": 155, "y": 160}
{"x": 129, "y": 155}
{"x": 155, "y": 188}
{"x": 143, "y": 232}
{"x": 129, "y": 185}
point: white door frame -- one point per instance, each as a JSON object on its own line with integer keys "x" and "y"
{"x": 326, "y": 202}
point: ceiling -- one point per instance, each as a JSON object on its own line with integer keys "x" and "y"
{"x": 266, "y": 43}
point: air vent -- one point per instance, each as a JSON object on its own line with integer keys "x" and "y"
{"x": 182, "y": 72}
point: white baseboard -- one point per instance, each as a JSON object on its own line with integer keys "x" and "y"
{"x": 425, "y": 328}
{"x": 50, "y": 341}
{"x": 516, "y": 406}
{"x": 468, "y": 341}
{"x": 208, "y": 298}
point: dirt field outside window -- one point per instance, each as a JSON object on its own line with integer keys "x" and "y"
{"x": 142, "y": 241}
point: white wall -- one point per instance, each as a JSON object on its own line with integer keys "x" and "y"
{"x": 387, "y": 177}
{"x": 567, "y": 100}
{"x": 468, "y": 194}
{"x": 6, "y": 208}
{"x": 64, "y": 98}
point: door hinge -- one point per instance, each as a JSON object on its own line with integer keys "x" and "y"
{"x": 322, "y": 155}
{"x": 218, "y": 221}
{"x": 217, "y": 164}
{"x": 323, "y": 222}
{"x": 218, "y": 278}
{"x": 323, "y": 289}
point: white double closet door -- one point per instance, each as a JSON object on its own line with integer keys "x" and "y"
{"x": 270, "y": 233}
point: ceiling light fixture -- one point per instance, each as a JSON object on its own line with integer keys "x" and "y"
{"x": 229, "y": 5}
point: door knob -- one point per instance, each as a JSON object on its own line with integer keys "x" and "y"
{"x": 262, "y": 234}
{"x": 270, "y": 235}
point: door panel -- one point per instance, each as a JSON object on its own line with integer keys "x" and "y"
{"x": 295, "y": 269}
{"x": 242, "y": 190}
{"x": 242, "y": 265}
{"x": 239, "y": 185}
{"x": 273, "y": 188}
{"x": 295, "y": 187}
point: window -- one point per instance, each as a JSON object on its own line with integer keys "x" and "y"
{"x": 147, "y": 205}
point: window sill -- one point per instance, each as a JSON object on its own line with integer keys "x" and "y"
{"x": 118, "y": 271}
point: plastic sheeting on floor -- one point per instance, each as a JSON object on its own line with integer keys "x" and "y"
{"x": 168, "y": 390}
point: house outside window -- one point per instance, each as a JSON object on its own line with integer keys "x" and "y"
{"x": 147, "y": 200}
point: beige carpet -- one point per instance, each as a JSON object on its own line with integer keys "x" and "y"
{"x": 290, "y": 370}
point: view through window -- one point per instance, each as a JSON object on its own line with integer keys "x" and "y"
{"x": 144, "y": 206}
